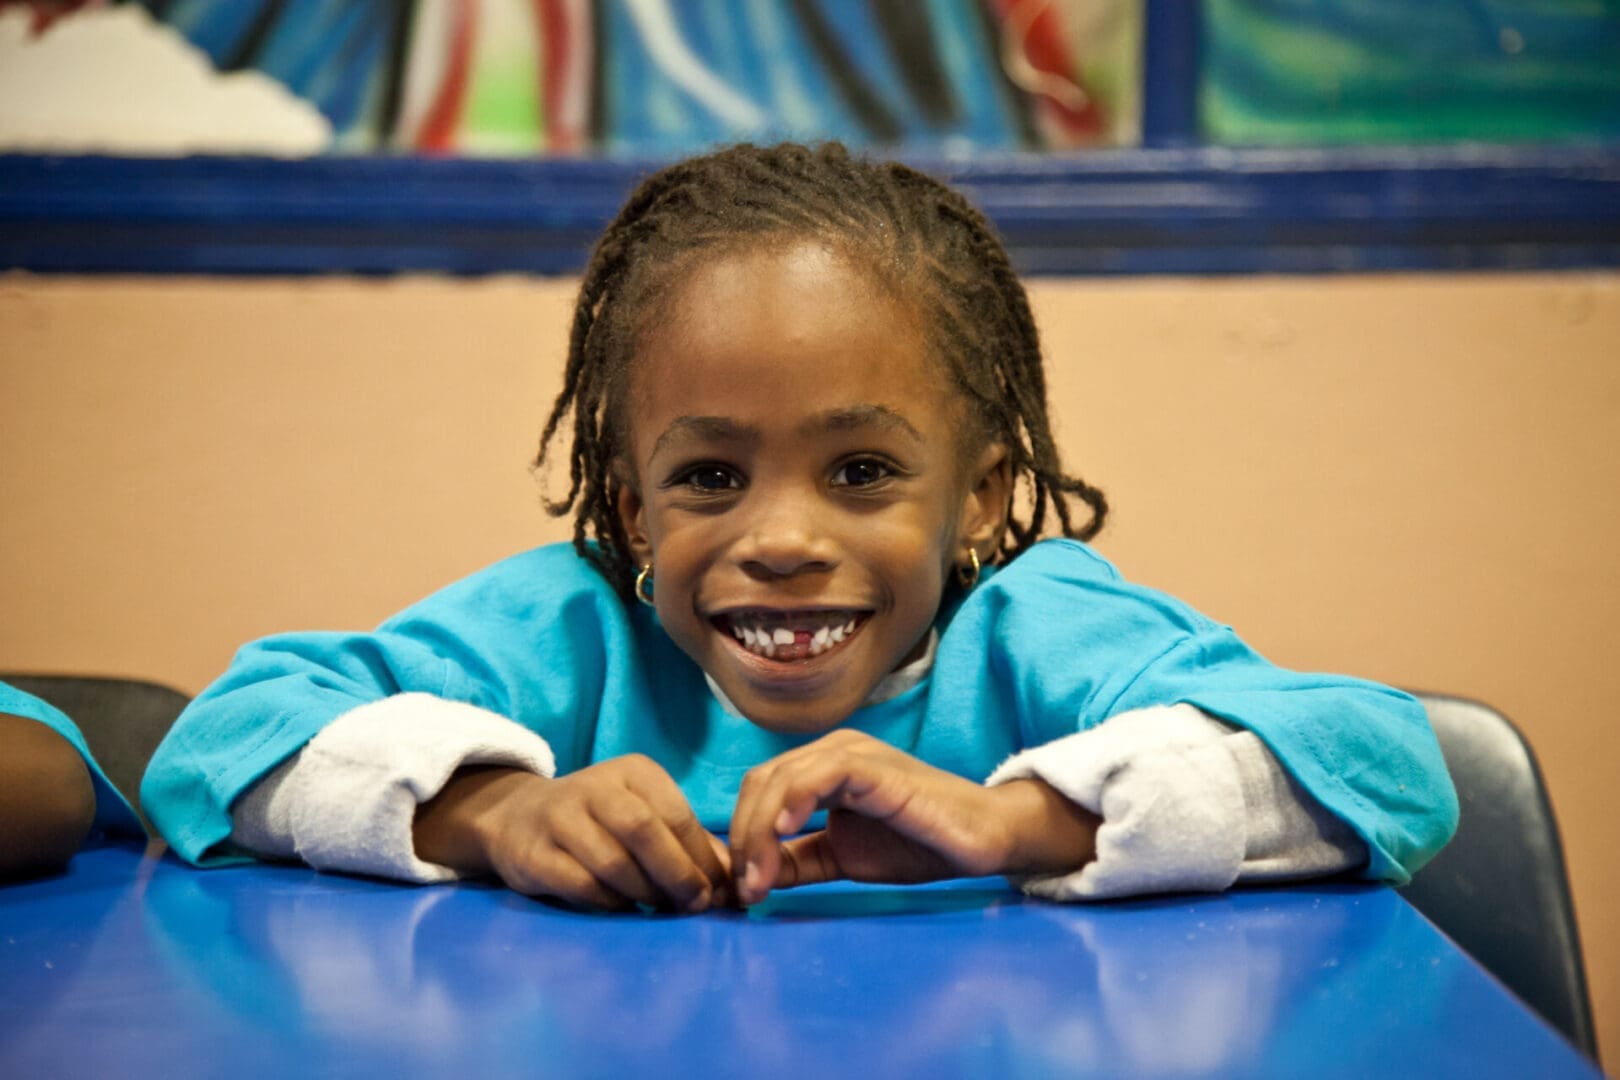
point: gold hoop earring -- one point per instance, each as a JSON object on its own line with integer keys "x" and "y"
{"x": 968, "y": 577}
{"x": 644, "y": 580}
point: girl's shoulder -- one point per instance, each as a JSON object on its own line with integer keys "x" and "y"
{"x": 1067, "y": 582}
{"x": 1059, "y": 557}
{"x": 559, "y": 564}
{"x": 522, "y": 584}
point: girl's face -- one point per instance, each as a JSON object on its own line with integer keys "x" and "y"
{"x": 797, "y": 482}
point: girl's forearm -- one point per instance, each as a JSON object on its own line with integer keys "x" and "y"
{"x": 1049, "y": 834}
{"x": 452, "y": 828}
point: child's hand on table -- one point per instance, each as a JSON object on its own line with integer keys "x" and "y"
{"x": 891, "y": 818}
{"x": 613, "y": 835}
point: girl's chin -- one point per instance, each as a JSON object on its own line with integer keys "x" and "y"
{"x": 811, "y": 707}
{"x": 812, "y": 719}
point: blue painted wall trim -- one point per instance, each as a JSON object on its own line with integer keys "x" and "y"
{"x": 1172, "y": 38}
{"x": 1163, "y": 210}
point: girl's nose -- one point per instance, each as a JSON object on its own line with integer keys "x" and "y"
{"x": 784, "y": 539}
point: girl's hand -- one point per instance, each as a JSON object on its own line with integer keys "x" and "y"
{"x": 613, "y": 835}
{"x": 891, "y": 818}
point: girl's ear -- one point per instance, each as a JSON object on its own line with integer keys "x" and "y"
{"x": 633, "y": 517}
{"x": 988, "y": 502}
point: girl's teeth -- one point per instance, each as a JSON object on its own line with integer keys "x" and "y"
{"x": 769, "y": 642}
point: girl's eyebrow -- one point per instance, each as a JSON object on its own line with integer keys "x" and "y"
{"x": 860, "y": 416}
{"x": 719, "y": 428}
{"x": 725, "y": 429}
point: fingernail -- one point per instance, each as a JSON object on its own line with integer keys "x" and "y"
{"x": 751, "y": 879}
{"x": 784, "y": 823}
{"x": 700, "y": 902}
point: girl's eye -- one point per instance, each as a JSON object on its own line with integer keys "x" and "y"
{"x": 710, "y": 478}
{"x": 863, "y": 472}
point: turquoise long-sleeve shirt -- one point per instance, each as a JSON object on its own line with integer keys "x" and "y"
{"x": 1054, "y": 643}
{"x": 113, "y": 813}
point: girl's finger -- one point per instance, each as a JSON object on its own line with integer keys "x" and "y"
{"x": 752, "y": 867}
{"x": 758, "y": 806}
{"x": 724, "y": 894}
{"x": 556, "y": 874}
{"x": 667, "y": 800}
{"x": 657, "y": 856}
{"x": 601, "y": 851}
{"x": 785, "y": 801}
{"x": 807, "y": 860}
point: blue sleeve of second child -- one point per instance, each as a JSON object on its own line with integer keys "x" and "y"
{"x": 532, "y": 638}
{"x": 1072, "y": 644}
{"x": 113, "y": 812}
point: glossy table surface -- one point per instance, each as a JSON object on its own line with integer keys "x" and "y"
{"x": 133, "y": 966}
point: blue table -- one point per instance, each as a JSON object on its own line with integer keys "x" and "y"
{"x": 130, "y": 966}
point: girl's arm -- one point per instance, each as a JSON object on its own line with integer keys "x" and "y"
{"x": 530, "y": 637}
{"x": 47, "y": 800}
{"x": 1186, "y": 802}
{"x": 1163, "y": 800}
{"x": 1202, "y": 763}
{"x": 418, "y": 788}
{"x": 1058, "y": 646}
{"x": 612, "y": 835}
{"x": 332, "y": 748}
{"x": 893, "y": 818}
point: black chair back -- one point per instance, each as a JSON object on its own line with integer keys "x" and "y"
{"x": 1500, "y": 889}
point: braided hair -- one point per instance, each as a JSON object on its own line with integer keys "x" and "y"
{"x": 919, "y": 238}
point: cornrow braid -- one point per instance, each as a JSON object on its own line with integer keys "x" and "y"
{"x": 918, "y": 237}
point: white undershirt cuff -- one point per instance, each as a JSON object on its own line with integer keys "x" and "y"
{"x": 348, "y": 799}
{"x": 1169, "y": 795}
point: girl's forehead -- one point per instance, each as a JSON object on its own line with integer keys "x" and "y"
{"x": 763, "y": 310}
{"x": 781, "y": 334}
{"x": 811, "y": 266}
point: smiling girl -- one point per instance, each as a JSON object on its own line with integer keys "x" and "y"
{"x": 810, "y": 467}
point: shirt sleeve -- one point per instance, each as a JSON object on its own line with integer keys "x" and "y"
{"x": 1187, "y": 803}
{"x": 347, "y": 801}
{"x": 532, "y": 639}
{"x": 1070, "y": 646}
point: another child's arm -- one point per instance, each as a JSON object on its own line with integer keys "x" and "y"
{"x": 47, "y": 800}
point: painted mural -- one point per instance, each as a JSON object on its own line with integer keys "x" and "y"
{"x": 656, "y": 77}
{"x": 1397, "y": 71}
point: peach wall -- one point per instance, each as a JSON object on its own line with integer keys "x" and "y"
{"x": 1409, "y": 478}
